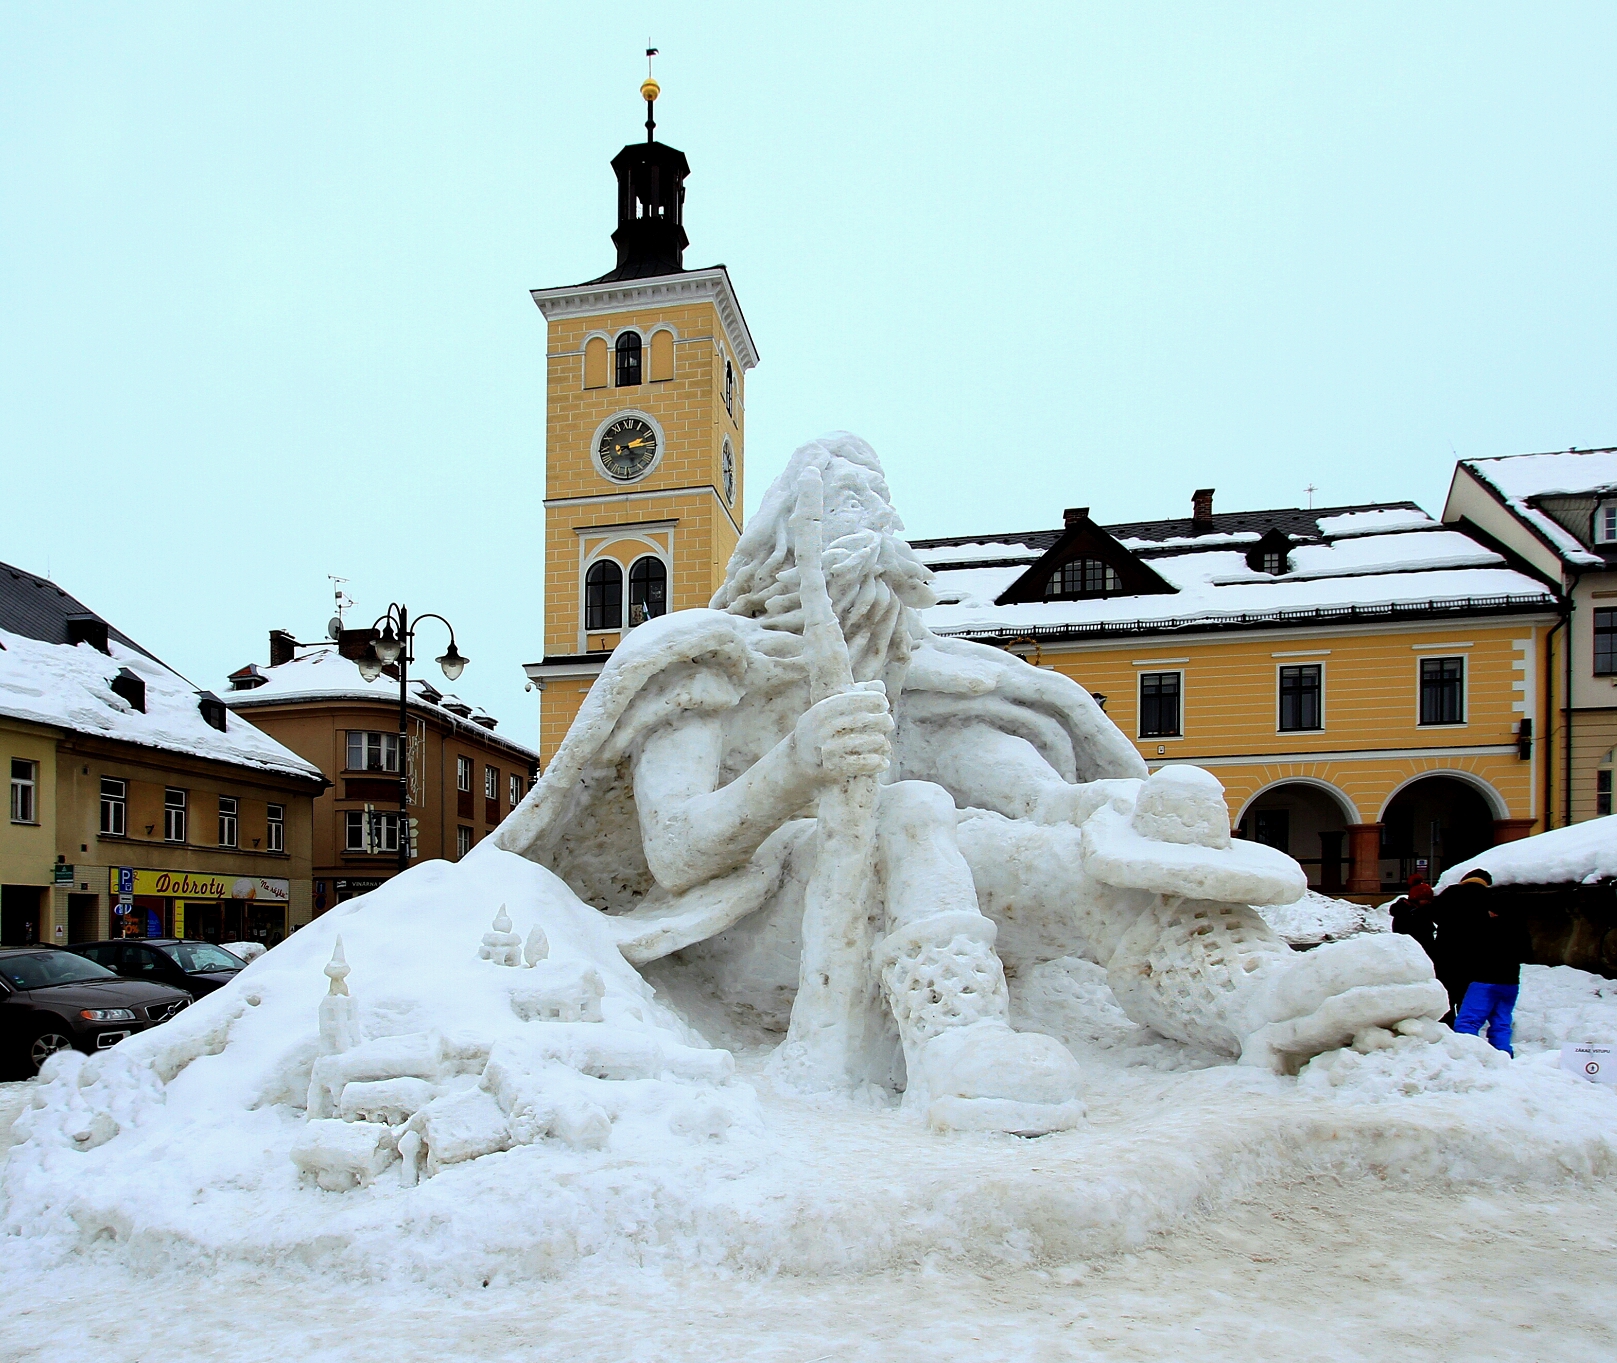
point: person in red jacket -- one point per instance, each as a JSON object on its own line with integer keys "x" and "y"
{"x": 1494, "y": 947}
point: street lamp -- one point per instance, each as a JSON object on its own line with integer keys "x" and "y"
{"x": 397, "y": 646}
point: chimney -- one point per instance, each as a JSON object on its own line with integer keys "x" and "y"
{"x": 352, "y": 642}
{"x": 283, "y": 647}
{"x": 1075, "y": 515}
{"x": 86, "y": 628}
{"x": 1201, "y": 509}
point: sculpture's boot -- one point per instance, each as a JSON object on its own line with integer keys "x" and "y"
{"x": 946, "y": 988}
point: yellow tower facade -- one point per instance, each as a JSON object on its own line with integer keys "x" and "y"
{"x": 645, "y": 436}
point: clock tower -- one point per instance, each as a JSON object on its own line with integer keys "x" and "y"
{"x": 644, "y": 436}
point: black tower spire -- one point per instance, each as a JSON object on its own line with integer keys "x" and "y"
{"x": 651, "y": 236}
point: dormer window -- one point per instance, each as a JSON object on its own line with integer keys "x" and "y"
{"x": 1271, "y": 554}
{"x": 1084, "y": 577}
{"x": 1605, "y": 526}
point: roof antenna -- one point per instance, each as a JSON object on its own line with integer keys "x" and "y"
{"x": 334, "y": 625}
{"x": 649, "y": 90}
{"x": 1310, "y": 490}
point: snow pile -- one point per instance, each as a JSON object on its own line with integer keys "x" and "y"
{"x": 1375, "y": 521}
{"x": 1559, "y": 1004}
{"x": 244, "y": 951}
{"x": 1406, "y": 1067}
{"x": 68, "y": 686}
{"x": 1317, "y": 918}
{"x": 1580, "y": 854}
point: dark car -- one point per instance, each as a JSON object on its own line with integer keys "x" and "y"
{"x": 196, "y": 967}
{"x": 51, "y": 999}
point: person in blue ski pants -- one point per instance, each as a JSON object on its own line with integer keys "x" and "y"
{"x": 1495, "y": 948}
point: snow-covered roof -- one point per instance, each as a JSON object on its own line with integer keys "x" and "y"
{"x": 323, "y": 673}
{"x": 68, "y": 686}
{"x": 1521, "y": 479}
{"x": 1344, "y": 562}
{"x": 1580, "y": 854}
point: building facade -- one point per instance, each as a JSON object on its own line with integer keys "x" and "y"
{"x": 138, "y": 805}
{"x": 1367, "y": 683}
{"x": 1559, "y": 513}
{"x": 463, "y": 777}
{"x": 645, "y": 436}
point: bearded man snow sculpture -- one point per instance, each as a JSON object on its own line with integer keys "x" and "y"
{"x": 852, "y": 839}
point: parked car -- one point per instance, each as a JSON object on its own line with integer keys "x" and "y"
{"x": 52, "y": 999}
{"x": 196, "y": 967}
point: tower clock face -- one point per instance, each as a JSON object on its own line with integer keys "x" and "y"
{"x": 628, "y": 447}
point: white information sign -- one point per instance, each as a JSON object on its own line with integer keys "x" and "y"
{"x": 1597, "y": 1064}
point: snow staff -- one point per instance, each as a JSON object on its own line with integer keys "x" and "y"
{"x": 1005, "y": 821}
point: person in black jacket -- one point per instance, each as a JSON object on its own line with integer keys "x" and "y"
{"x": 1412, "y": 915}
{"x": 1493, "y": 948}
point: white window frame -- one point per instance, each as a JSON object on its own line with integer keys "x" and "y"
{"x": 175, "y": 814}
{"x": 114, "y": 807}
{"x": 491, "y": 782}
{"x": 1139, "y": 705}
{"x": 1464, "y": 722}
{"x": 368, "y": 744}
{"x": 1296, "y": 662}
{"x": 463, "y": 841}
{"x": 1603, "y": 525}
{"x": 229, "y": 821}
{"x": 24, "y": 790}
{"x": 463, "y": 775}
{"x": 378, "y": 831}
{"x": 275, "y": 828}
{"x": 515, "y": 784}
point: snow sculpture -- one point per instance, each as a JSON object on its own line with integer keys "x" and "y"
{"x": 853, "y": 825}
{"x": 537, "y": 947}
{"x": 502, "y": 946}
{"x": 339, "y": 1028}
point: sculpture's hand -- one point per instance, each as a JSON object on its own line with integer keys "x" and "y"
{"x": 845, "y": 735}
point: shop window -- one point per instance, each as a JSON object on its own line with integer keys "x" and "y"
{"x": 491, "y": 783}
{"x": 1159, "y": 704}
{"x": 275, "y": 840}
{"x": 174, "y": 815}
{"x": 114, "y": 807}
{"x": 1300, "y": 693}
{"x": 516, "y": 790}
{"x": 463, "y": 841}
{"x": 1442, "y": 690}
{"x": 1084, "y": 577}
{"x": 629, "y": 359}
{"x": 368, "y": 751}
{"x": 24, "y": 791}
{"x": 603, "y": 596}
{"x": 227, "y": 821}
{"x": 463, "y": 774}
{"x": 648, "y": 590}
{"x": 1605, "y": 643}
{"x": 595, "y": 358}
{"x": 370, "y": 830}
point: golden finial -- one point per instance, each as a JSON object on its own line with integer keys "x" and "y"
{"x": 649, "y": 90}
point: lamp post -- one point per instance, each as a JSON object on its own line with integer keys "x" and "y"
{"x": 396, "y": 644}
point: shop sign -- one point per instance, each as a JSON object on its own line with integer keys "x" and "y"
{"x": 199, "y": 885}
{"x": 64, "y": 874}
{"x": 359, "y": 886}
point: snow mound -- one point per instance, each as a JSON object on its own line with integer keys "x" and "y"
{"x": 1560, "y": 1004}
{"x": 1408, "y": 1067}
{"x": 1317, "y": 918}
{"x": 1580, "y": 854}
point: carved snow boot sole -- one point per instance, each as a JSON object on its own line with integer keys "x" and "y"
{"x": 985, "y": 1077}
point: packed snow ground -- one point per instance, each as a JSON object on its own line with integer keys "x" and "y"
{"x": 726, "y": 1219}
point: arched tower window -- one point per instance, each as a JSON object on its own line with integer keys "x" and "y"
{"x": 730, "y": 387}
{"x": 727, "y": 472}
{"x": 662, "y": 356}
{"x": 595, "y": 362}
{"x": 648, "y": 590}
{"x": 603, "y": 596}
{"x": 629, "y": 359}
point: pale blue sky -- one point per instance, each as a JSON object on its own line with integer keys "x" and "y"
{"x": 263, "y": 286}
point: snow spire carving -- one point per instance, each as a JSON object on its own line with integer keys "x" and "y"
{"x": 339, "y": 1021}
{"x": 502, "y": 946}
{"x": 538, "y": 946}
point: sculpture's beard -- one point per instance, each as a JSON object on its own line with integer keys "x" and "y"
{"x": 874, "y": 581}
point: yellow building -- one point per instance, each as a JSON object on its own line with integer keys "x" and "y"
{"x": 1365, "y": 681}
{"x": 645, "y": 435}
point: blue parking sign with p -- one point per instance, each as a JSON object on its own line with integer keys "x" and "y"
{"x": 126, "y": 880}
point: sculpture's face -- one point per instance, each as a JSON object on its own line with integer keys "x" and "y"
{"x": 857, "y": 499}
